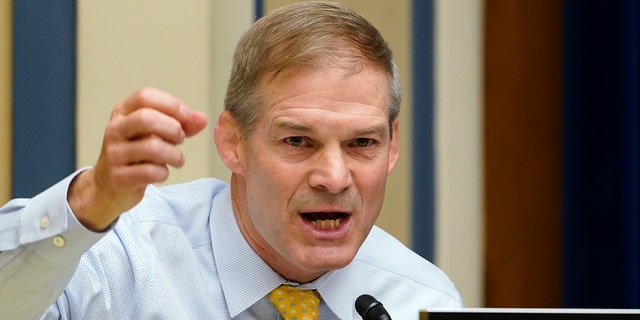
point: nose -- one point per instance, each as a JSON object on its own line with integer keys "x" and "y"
{"x": 331, "y": 171}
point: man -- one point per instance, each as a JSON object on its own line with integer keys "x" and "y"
{"x": 310, "y": 134}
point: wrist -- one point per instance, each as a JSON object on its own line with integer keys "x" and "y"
{"x": 88, "y": 204}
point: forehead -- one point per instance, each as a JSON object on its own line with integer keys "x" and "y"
{"x": 328, "y": 87}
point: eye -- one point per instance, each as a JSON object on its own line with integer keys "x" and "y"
{"x": 363, "y": 142}
{"x": 295, "y": 141}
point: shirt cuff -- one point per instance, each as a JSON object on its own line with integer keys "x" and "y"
{"x": 53, "y": 230}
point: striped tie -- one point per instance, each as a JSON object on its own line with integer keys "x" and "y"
{"x": 294, "y": 303}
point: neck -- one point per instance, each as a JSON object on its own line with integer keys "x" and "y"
{"x": 267, "y": 253}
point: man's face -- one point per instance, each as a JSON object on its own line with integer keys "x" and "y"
{"x": 313, "y": 171}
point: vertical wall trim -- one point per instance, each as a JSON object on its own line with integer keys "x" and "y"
{"x": 423, "y": 145}
{"x": 44, "y": 68}
{"x": 259, "y": 9}
{"x": 458, "y": 108}
{"x": 6, "y": 25}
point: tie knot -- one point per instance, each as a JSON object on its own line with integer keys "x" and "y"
{"x": 294, "y": 303}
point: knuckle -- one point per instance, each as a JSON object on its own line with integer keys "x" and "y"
{"x": 144, "y": 117}
{"x": 145, "y": 92}
{"x": 153, "y": 147}
{"x": 112, "y": 156}
{"x": 154, "y": 173}
{"x": 111, "y": 130}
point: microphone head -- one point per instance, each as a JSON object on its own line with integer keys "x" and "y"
{"x": 369, "y": 308}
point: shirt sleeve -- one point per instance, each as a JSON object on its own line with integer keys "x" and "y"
{"x": 41, "y": 242}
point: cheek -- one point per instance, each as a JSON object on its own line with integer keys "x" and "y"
{"x": 266, "y": 190}
{"x": 266, "y": 183}
{"x": 372, "y": 190}
{"x": 271, "y": 178}
{"x": 374, "y": 177}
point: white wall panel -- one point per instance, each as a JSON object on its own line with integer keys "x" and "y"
{"x": 458, "y": 119}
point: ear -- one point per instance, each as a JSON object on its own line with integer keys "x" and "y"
{"x": 228, "y": 138}
{"x": 394, "y": 146}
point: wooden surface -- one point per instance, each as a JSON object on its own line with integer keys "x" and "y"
{"x": 522, "y": 159}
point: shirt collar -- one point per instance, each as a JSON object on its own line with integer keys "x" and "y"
{"x": 245, "y": 278}
{"x": 336, "y": 289}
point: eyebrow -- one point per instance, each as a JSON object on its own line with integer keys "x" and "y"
{"x": 375, "y": 129}
{"x": 285, "y": 124}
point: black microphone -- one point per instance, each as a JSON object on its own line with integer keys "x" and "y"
{"x": 371, "y": 309}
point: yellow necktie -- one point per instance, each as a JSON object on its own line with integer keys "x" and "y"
{"x": 294, "y": 303}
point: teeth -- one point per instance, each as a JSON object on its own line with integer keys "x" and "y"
{"x": 327, "y": 224}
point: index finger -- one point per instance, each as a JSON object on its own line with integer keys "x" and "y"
{"x": 149, "y": 97}
{"x": 191, "y": 122}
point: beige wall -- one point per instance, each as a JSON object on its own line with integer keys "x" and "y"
{"x": 392, "y": 18}
{"x": 5, "y": 100}
{"x": 458, "y": 119}
{"x": 183, "y": 47}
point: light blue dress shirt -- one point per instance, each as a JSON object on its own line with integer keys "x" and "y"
{"x": 179, "y": 254}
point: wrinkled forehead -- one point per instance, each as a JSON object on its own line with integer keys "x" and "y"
{"x": 325, "y": 93}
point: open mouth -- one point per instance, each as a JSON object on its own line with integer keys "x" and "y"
{"x": 325, "y": 220}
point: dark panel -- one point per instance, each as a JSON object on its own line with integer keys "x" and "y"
{"x": 43, "y": 94}
{"x": 423, "y": 206}
{"x": 602, "y": 146}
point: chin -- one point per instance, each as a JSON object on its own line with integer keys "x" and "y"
{"x": 332, "y": 259}
{"x": 313, "y": 263}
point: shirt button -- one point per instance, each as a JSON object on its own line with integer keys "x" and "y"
{"x": 58, "y": 241}
{"x": 44, "y": 222}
